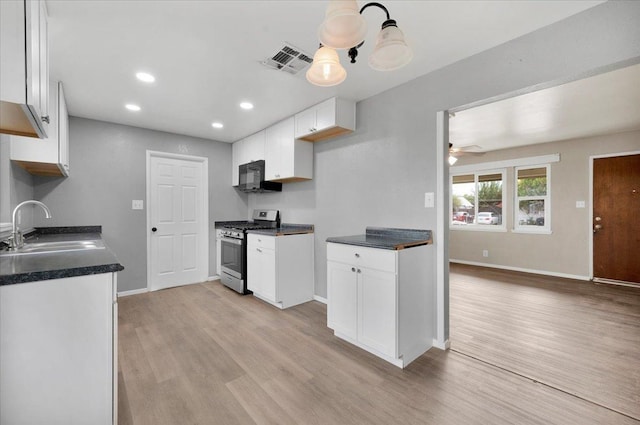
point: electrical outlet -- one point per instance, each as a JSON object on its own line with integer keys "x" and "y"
{"x": 137, "y": 204}
{"x": 580, "y": 204}
{"x": 485, "y": 253}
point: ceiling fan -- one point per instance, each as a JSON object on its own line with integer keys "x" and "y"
{"x": 454, "y": 153}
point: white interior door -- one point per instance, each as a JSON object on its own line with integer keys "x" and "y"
{"x": 178, "y": 229}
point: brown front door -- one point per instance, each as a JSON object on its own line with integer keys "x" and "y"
{"x": 616, "y": 218}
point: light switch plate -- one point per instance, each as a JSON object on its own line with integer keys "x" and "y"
{"x": 580, "y": 204}
{"x": 137, "y": 204}
{"x": 429, "y": 200}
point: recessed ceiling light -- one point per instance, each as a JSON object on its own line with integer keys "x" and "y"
{"x": 147, "y": 78}
{"x": 246, "y": 105}
{"x": 132, "y": 107}
{"x": 217, "y": 125}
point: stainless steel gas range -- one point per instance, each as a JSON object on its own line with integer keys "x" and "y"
{"x": 233, "y": 244}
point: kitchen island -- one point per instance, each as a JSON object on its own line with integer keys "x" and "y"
{"x": 381, "y": 292}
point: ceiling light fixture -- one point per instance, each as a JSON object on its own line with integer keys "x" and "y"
{"x": 452, "y": 159}
{"x": 326, "y": 70}
{"x": 147, "y": 78}
{"x": 345, "y": 28}
{"x": 132, "y": 107}
{"x": 217, "y": 125}
{"x": 246, "y": 105}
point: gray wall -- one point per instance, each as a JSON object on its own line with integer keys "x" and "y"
{"x": 16, "y": 185}
{"x": 566, "y": 250}
{"x": 378, "y": 175}
{"x": 108, "y": 171}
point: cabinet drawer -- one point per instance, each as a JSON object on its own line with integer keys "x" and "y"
{"x": 261, "y": 241}
{"x": 377, "y": 259}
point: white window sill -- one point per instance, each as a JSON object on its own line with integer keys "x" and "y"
{"x": 542, "y": 231}
{"x": 478, "y": 228}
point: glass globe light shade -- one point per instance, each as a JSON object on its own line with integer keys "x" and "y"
{"x": 326, "y": 70}
{"x": 391, "y": 51}
{"x": 452, "y": 160}
{"x": 343, "y": 26}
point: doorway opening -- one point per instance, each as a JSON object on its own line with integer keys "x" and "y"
{"x": 507, "y": 307}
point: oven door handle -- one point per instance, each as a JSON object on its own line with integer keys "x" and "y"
{"x": 233, "y": 241}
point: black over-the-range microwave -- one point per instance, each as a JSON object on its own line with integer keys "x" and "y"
{"x": 251, "y": 179}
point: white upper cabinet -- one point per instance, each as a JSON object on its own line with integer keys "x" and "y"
{"x": 49, "y": 156}
{"x": 254, "y": 147}
{"x": 331, "y": 118}
{"x": 249, "y": 149}
{"x": 24, "y": 68}
{"x": 287, "y": 159}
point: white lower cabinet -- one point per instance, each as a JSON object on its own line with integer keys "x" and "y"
{"x": 280, "y": 268}
{"x": 58, "y": 351}
{"x": 381, "y": 300}
{"x": 377, "y": 310}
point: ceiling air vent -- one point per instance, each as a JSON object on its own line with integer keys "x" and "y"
{"x": 289, "y": 59}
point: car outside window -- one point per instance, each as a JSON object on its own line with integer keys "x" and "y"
{"x": 477, "y": 200}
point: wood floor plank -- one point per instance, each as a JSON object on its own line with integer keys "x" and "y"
{"x": 232, "y": 359}
{"x": 262, "y": 408}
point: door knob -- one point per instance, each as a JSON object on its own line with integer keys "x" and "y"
{"x": 596, "y": 228}
{"x": 598, "y": 218}
{"x": 154, "y": 229}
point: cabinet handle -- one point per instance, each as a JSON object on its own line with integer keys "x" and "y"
{"x": 357, "y": 255}
{"x": 45, "y": 119}
{"x": 353, "y": 269}
{"x": 258, "y": 249}
{"x": 359, "y": 271}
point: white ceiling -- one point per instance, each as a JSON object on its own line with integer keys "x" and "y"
{"x": 206, "y": 55}
{"x": 603, "y": 104}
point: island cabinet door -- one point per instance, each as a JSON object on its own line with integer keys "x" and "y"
{"x": 342, "y": 298}
{"x": 377, "y": 310}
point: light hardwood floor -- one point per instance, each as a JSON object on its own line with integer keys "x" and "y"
{"x": 202, "y": 354}
{"x": 576, "y": 336}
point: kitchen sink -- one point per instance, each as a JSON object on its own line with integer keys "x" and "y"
{"x": 57, "y": 246}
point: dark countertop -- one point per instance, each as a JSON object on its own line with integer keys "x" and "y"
{"x": 285, "y": 229}
{"x": 221, "y": 224}
{"x": 387, "y": 238}
{"x": 56, "y": 265}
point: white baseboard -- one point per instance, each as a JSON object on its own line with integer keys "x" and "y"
{"x": 132, "y": 292}
{"x": 214, "y": 277}
{"x": 520, "y": 269}
{"x": 320, "y": 299}
{"x": 441, "y": 346}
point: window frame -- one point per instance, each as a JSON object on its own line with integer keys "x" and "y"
{"x": 517, "y": 227}
{"x": 474, "y": 227}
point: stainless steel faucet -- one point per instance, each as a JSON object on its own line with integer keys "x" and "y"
{"x": 17, "y": 241}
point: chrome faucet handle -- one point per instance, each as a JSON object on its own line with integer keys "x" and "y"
{"x": 16, "y": 240}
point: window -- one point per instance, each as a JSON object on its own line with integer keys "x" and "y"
{"x": 477, "y": 200}
{"x": 532, "y": 199}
